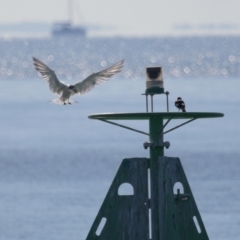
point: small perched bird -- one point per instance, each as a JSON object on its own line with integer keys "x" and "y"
{"x": 65, "y": 91}
{"x": 180, "y": 104}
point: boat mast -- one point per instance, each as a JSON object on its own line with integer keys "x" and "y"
{"x": 70, "y": 11}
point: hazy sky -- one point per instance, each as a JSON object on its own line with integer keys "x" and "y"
{"x": 132, "y": 17}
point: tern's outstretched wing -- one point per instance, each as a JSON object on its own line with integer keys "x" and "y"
{"x": 49, "y": 76}
{"x": 97, "y": 78}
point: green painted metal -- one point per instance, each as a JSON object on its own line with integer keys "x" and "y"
{"x": 119, "y": 125}
{"x": 154, "y": 90}
{"x": 126, "y": 215}
{"x": 174, "y": 213}
{"x": 155, "y": 124}
{"x": 147, "y": 116}
{"x": 177, "y": 210}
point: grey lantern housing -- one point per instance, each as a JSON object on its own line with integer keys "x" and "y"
{"x": 154, "y": 80}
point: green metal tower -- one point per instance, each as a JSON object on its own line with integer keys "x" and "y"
{"x": 159, "y": 204}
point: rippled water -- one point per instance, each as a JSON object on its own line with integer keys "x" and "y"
{"x": 56, "y": 165}
{"x": 75, "y": 58}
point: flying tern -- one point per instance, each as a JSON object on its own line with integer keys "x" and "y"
{"x": 66, "y": 91}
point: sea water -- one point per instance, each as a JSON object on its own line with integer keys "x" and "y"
{"x": 56, "y": 165}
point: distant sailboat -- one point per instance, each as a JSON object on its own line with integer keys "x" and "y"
{"x": 65, "y": 29}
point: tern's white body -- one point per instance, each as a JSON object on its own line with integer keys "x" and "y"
{"x": 65, "y": 97}
{"x": 82, "y": 87}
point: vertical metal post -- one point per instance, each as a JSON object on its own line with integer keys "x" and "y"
{"x": 152, "y": 102}
{"x": 167, "y": 93}
{"x": 146, "y": 102}
{"x": 155, "y": 123}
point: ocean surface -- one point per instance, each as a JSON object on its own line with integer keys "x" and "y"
{"x": 56, "y": 165}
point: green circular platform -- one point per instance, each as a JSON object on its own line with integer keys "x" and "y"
{"x": 148, "y": 115}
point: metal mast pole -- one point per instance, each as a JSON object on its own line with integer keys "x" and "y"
{"x": 155, "y": 123}
{"x": 70, "y": 11}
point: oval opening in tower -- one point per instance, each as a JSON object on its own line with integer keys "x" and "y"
{"x": 178, "y": 185}
{"x": 125, "y": 189}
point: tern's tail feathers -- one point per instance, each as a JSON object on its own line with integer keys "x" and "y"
{"x": 61, "y": 102}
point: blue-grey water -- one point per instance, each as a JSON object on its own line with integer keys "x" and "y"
{"x": 56, "y": 165}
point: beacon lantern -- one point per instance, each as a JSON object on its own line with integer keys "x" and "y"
{"x": 154, "y": 80}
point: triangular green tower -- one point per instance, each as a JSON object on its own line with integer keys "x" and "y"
{"x": 127, "y": 216}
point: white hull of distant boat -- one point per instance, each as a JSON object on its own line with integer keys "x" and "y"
{"x": 67, "y": 28}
